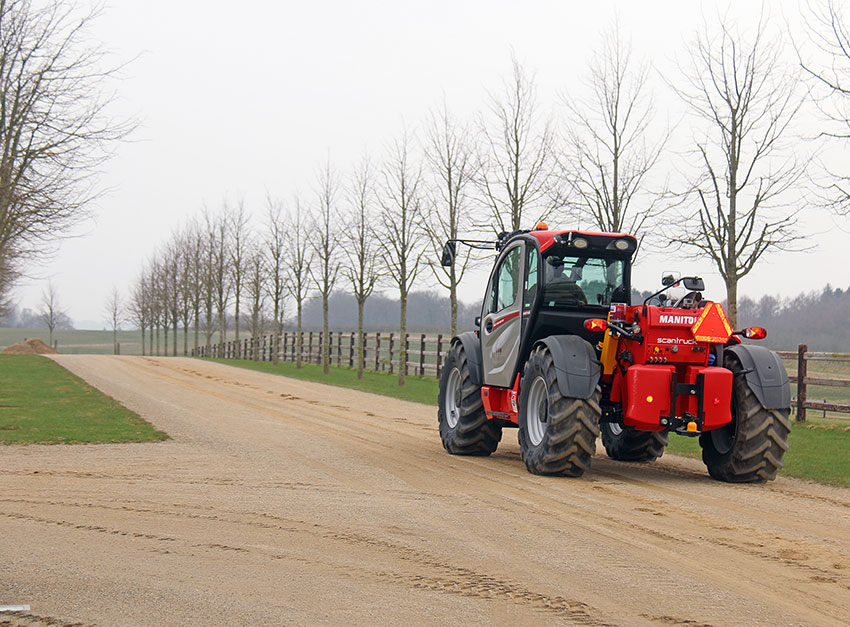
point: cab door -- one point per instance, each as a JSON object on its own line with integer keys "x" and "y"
{"x": 501, "y": 324}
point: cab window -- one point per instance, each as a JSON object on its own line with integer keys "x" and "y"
{"x": 507, "y": 281}
{"x": 531, "y": 279}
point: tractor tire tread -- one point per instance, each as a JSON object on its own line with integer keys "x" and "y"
{"x": 473, "y": 434}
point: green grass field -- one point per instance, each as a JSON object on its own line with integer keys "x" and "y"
{"x": 818, "y": 448}
{"x": 76, "y": 341}
{"x": 42, "y": 403}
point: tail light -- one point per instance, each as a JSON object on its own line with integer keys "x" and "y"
{"x": 755, "y": 333}
{"x": 595, "y": 324}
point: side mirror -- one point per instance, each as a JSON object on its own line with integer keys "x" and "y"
{"x": 449, "y": 252}
{"x": 478, "y": 321}
{"x": 667, "y": 280}
{"x": 693, "y": 284}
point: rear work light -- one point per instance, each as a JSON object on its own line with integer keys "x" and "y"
{"x": 755, "y": 333}
{"x": 580, "y": 242}
{"x": 595, "y": 324}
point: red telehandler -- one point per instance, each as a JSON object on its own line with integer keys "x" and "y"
{"x": 560, "y": 355}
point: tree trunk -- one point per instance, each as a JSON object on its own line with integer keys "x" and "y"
{"x": 299, "y": 339}
{"x": 197, "y": 320}
{"x": 361, "y": 353}
{"x": 732, "y": 301}
{"x": 174, "y": 343}
{"x": 142, "y": 329}
{"x": 326, "y": 341}
{"x": 164, "y": 339}
{"x": 402, "y": 349}
{"x": 157, "y": 340}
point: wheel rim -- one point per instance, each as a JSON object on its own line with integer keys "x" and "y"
{"x": 452, "y": 398}
{"x": 537, "y": 412}
{"x": 614, "y": 428}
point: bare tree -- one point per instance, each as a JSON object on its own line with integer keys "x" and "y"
{"x": 209, "y": 267}
{"x": 517, "y": 173}
{"x": 299, "y": 257}
{"x": 115, "y": 315}
{"x": 138, "y": 308}
{"x": 275, "y": 250}
{"x": 828, "y": 64}
{"x": 361, "y": 248}
{"x": 452, "y": 168}
{"x": 238, "y": 232}
{"x": 325, "y": 249}
{"x": 220, "y": 275}
{"x": 255, "y": 290}
{"x": 608, "y": 155}
{"x": 401, "y": 236}
{"x": 52, "y": 314}
{"x": 746, "y": 100}
{"x": 54, "y": 123}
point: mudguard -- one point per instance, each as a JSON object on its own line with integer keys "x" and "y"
{"x": 472, "y": 348}
{"x": 766, "y": 375}
{"x": 576, "y": 365}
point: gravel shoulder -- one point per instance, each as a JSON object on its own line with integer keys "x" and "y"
{"x": 286, "y": 502}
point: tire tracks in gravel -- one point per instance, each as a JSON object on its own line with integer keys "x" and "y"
{"x": 661, "y": 525}
{"x": 759, "y": 544}
{"x": 336, "y": 421}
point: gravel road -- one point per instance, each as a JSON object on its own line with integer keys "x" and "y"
{"x": 284, "y": 502}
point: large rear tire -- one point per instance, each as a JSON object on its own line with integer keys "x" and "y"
{"x": 750, "y": 448}
{"x": 557, "y": 434}
{"x": 627, "y": 444}
{"x": 464, "y": 427}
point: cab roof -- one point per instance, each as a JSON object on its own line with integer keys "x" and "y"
{"x": 594, "y": 240}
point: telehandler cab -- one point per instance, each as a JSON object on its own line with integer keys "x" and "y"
{"x": 560, "y": 355}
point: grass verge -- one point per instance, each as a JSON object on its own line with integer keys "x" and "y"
{"x": 817, "y": 448}
{"x": 42, "y": 403}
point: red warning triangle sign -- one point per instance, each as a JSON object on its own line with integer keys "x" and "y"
{"x": 712, "y": 325}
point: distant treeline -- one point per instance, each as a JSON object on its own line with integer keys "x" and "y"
{"x": 17, "y": 318}
{"x": 819, "y": 319}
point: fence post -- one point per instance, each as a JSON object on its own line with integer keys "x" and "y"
{"x": 422, "y": 355}
{"x": 338, "y": 349}
{"x": 439, "y": 355}
{"x": 351, "y": 351}
{"x": 310, "y": 348}
{"x": 377, "y": 352}
{"x": 801, "y": 382}
{"x": 392, "y": 342}
{"x": 406, "y": 353}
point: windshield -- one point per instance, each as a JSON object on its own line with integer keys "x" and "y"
{"x": 570, "y": 281}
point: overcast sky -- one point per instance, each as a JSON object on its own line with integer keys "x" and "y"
{"x": 241, "y": 100}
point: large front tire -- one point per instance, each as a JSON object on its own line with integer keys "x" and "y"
{"x": 750, "y": 448}
{"x": 464, "y": 427}
{"x": 626, "y": 444}
{"x": 557, "y": 434}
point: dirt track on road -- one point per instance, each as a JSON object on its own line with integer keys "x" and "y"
{"x": 285, "y": 502}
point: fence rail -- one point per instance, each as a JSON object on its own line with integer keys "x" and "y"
{"x": 803, "y": 380}
{"x": 427, "y": 352}
{"x": 381, "y": 351}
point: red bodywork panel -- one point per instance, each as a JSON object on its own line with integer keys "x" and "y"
{"x": 648, "y": 389}
{"x": 501, "y": 403}
{"x": 669, "y": 350}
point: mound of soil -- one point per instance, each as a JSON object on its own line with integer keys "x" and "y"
{"x": 30, "y": 347}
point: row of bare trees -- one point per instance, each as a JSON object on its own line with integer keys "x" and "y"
{"x": 731, "y": 197}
